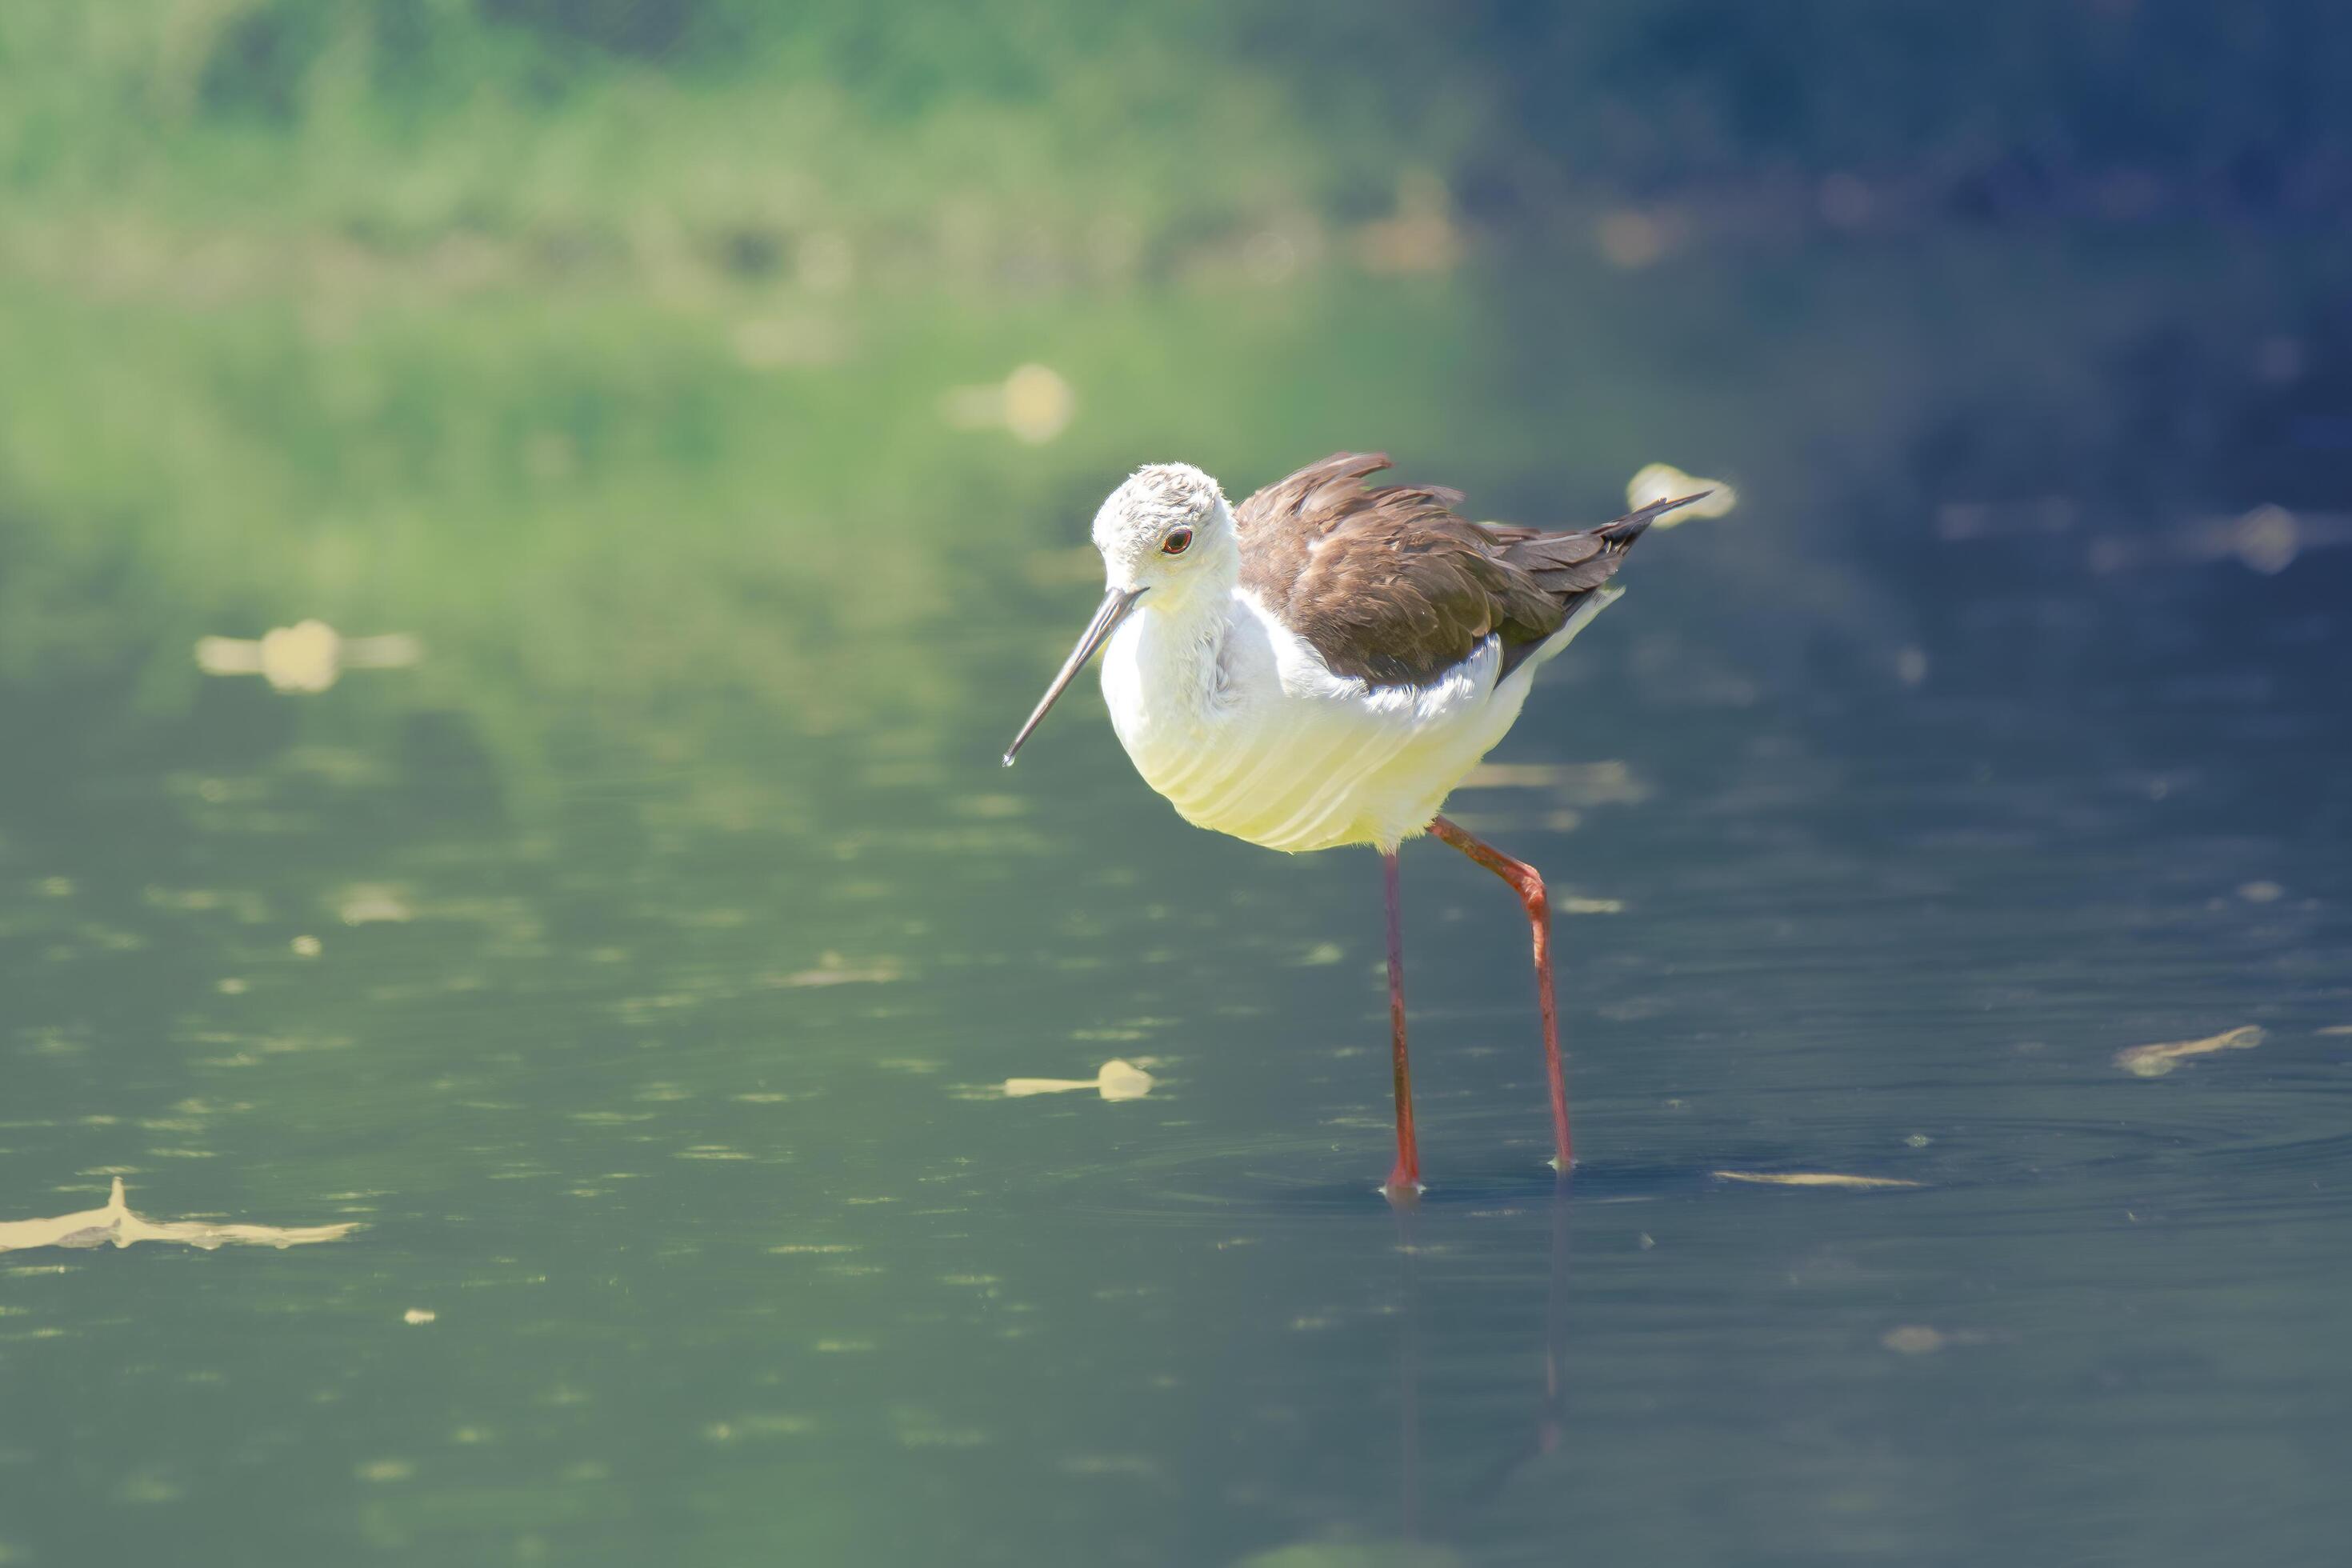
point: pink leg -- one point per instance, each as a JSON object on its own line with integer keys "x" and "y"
{"x": 1405, "y": 1180}
{"x": 1525, "y": 880}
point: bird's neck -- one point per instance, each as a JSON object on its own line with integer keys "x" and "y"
{"x": 1169, "y": 676}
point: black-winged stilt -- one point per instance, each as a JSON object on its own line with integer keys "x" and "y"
{"x": 1321, "y": 665}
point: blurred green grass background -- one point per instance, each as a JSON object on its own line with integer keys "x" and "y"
{"x": 607, "y": 340}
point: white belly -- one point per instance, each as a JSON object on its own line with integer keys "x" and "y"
{"x": 1256, "y": 737}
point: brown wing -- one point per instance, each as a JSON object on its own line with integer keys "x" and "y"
{"x": 1390, "y": 586}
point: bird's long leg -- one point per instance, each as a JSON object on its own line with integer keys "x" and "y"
{"x": 1528, "y": 883}
{"x": 1405, "y": 1180}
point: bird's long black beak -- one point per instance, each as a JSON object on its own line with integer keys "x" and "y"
{"x": 1114, "y": 608}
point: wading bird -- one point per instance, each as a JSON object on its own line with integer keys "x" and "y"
{"x": 1322, "y": 664}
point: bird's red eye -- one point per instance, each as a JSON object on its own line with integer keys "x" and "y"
{"x": 1179, "y": 541}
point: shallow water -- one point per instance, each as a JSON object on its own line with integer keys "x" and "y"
{"x": 661, "y": 1065}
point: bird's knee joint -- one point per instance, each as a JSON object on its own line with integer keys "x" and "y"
{"x": 1533, "y": 894}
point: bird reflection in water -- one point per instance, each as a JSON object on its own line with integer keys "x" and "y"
{"x": 1550, "y": 1394}
{"x": 1410, "y": 1548}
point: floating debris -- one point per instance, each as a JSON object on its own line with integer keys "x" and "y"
{"x": 1920, "y": 1339}
{"x": 761, "y": 1423}
{"x": 1812, "y": 1179}
{"x": 307, "y": 657}
{"x": 834, "y": 970}
{"x": 117, "y": 1224}
{"x": 1573, "y": 904}
{"x": 1117, "y": 1081}
{"x": 370, "y": 903}
{"x": 1663, "y": 481}
{"x": 2155, "y": 1061}
{"x": 2265, "y": 540}
{"x": 1033, "y": 402}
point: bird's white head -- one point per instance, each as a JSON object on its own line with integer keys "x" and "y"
{"x": 1165, "y": 537}
{"x": 1167, "y": 530}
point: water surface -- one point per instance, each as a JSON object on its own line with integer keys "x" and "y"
{"x": 650, "y": 1012}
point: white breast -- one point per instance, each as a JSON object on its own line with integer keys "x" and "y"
{"x": 1243, "y": 727}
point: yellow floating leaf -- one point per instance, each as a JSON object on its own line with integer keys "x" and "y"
{"x": 2155, "y": 1061}
{"x": 1117, "y": 1081}
{"x": 117, "y": 1226}
{"x": 308, "y": 656}
{"x": 1034, "y": 403}
{"x": 1123, "y": 1080}
{"x": 1663, "y": 481}
{"x": 1022, "y": 1088}
{"x": 1812, "y": 1179}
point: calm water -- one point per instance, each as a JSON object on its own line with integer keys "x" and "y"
{"x": 661, "y": 1061}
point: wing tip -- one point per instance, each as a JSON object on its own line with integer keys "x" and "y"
{"x": 1630, "y": 527}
